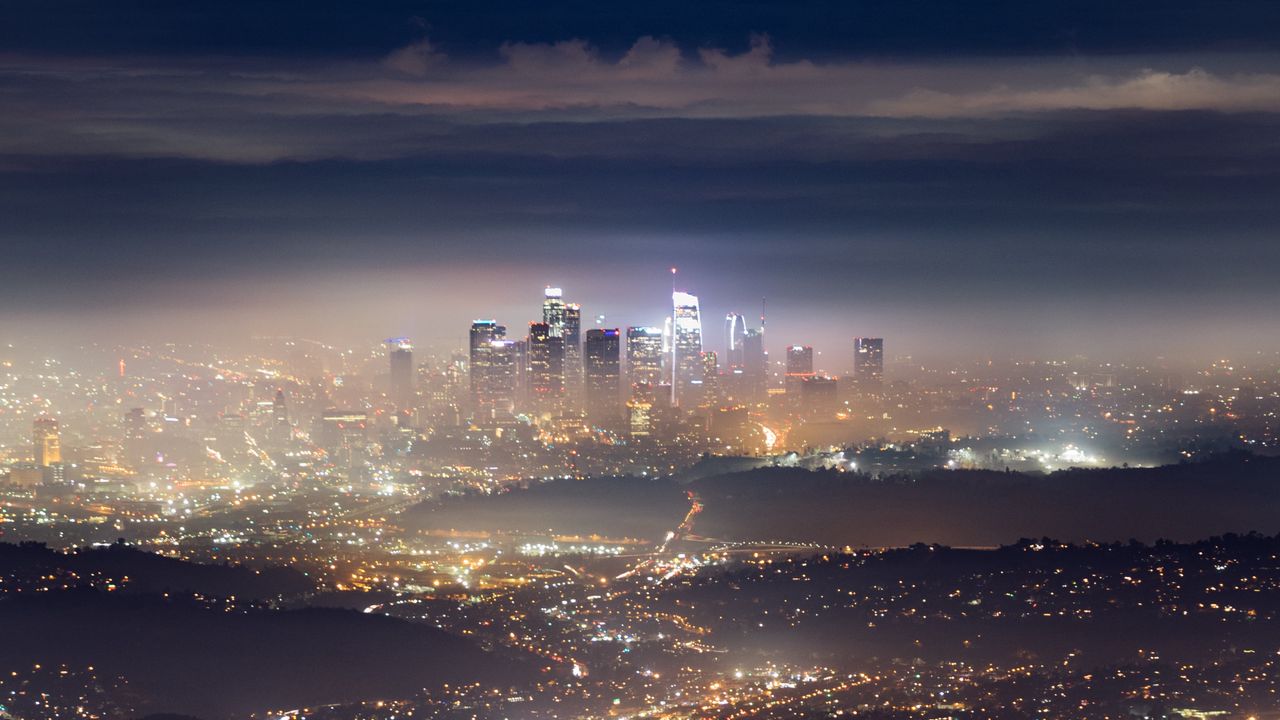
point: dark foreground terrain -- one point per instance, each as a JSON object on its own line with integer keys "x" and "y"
{"x": 205, "y": 640}
{"x": 1237, "y": 493}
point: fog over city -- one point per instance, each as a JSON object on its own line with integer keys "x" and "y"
{"x": 665, "y": 360}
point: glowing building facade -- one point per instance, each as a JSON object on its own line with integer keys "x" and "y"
{"x": 735, "y": 337}
{"x": 868, "y": 362}
{"x": 686, "y": 349}
{"x": 799, "y": 369}
{"x": 545, "y": 369}
{"x": 644, "y": 356}
{"x": 493, "y": 369}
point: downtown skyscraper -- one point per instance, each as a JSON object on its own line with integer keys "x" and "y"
{"x": 564, "y": 324}
{"x": 400, "y": 385}
{"x": 546, "y": 369}
{"x": 493, "y": 367}
{"x": 755, "y": 364}
{"x": 868, "y": 363}
{"x": 686, "y": 349}
{"x": 735, "y": 337}
{"x": 603, "y": 377}
{"x": 644, "y": 356}
{"x": 799, "y": 369}
{"x": 572, "y": 335}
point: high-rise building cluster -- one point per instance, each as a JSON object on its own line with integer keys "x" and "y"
{"x": 629, "y": 380}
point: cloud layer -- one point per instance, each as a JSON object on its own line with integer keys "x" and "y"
{"x": 967, "y": 190}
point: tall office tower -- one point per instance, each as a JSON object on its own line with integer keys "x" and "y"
{"x": 799, "y": 369}
{"x": 573, "y": 352}
{"x": 710, "y": 378}
{"x": 485, "y": 387}
{"x": 644, "y": 355}
{"x": 603, "y": 374}
{"x": 546, "y": 369}
{"x": 555, "y": 315}
{"x": 868, "y": 362}
{"x": 755, "y": 364}
{"x": 505, "y": 360}
{"x": 48, "y": 442}
{"x": 400, "y": 352}
{"x": 553, "y": 311}
{"x": 668, "y": 342}
{"x": 686, "y": 349}
{"x": 735, "y": 335}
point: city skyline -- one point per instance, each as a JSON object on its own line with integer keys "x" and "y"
{"x": 659, "y": 360}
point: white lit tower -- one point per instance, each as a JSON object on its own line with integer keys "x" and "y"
{"x": 686, "y": 348}
{"x": 735, "y": 338}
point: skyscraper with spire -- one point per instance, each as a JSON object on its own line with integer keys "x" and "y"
{"x": 686, "y": 349}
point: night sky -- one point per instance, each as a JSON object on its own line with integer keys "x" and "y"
{"x": 1012, "y": 178}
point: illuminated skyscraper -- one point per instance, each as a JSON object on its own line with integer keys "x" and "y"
{"x": 504, "y": 372}
{"x": 48, "y": 441}
{"x": 491, "y": 362}
{"x": 799, "y": 369}
{"x": 735, "y": 336}
{"x": 710, "y": 378}
{"x": 686, "y": 349}
{"x": 553, "y": 311}
{"x": 868, "y": 362}
{"x": 573, "y": 352}
{"x": 400, "y": 352}
{"x": 755, "y": 364}
{"x": 603, "y": 375}
{"x": 644, "y": 355}
{"x": 546, "y": 369}
{"x": 561, "y": 321}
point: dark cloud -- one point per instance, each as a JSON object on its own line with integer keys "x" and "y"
{"x": 816, "y": 29}
{"x": 1085, "y": 204}
{"x": 937, "y": 171}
